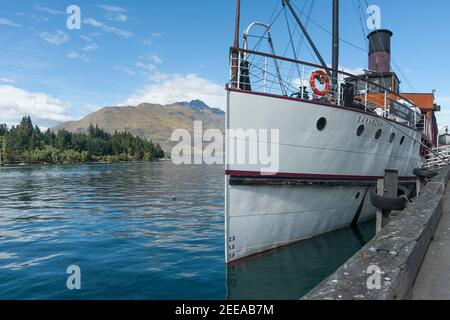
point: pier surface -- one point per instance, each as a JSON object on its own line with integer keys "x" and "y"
{"x": 409, "y": 258}
{"x": 433, "y": 281}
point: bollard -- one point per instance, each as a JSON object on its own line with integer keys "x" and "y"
{"x": 387, "y": 187}
{"x": 418, "y": 186}
{"x": 380, "y": 192}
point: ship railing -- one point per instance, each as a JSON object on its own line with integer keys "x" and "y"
{"x": 438, "y": 157}
{"x": 280, "y": 76}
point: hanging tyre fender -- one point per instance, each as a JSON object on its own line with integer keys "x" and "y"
{"x": 383, "y": 203}
{"x": 424, "y": 173}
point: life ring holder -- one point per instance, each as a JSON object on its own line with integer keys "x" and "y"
{"x": 322, "y": 77}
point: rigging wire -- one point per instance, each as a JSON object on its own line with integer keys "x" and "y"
{"x": 302, "y": 36}
{"x": 291, "y": 41}
{"x": 301, "y": 42}
{"x": 308, "y": 16}
{"x": 309, "y": 19}
{"x": 273, "y": 18}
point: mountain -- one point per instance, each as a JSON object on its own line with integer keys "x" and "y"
{"x": 151, "y": 121}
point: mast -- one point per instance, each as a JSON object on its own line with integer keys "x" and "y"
{"x": 305, "y": 32}
{"x": 335, "y": 62}
{"x": 235, "y": 55}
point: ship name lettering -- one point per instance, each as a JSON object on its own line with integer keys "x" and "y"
{"x": 369, "y": 121}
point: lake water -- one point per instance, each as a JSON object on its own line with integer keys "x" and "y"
{"x": 142, "y": 231}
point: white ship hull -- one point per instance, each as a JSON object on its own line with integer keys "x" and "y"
{"x": 322, "y": 177}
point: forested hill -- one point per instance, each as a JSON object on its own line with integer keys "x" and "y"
{"x": 27, "y": 144}
{"x": 151, "y": 121}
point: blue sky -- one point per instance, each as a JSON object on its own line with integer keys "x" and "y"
{"x": 128, "y": 52}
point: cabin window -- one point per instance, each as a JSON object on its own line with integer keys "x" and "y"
{"x": 402, "y": 140}
{"x": 360, "y": 130}
{"x": 321, "y": 124}
{"x": 378, "y": 134}
{"x": 391, "y": 139}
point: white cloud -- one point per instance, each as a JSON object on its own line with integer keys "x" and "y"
{"x": 354, "y": 71}
{"x": 156, "y": 59}
{"x": 75, "y": 55}
{"x": 44, "y": 110}
{"x": 37, "y": 18}
{"x": 126, "y": 70}
{"x": 154, "y": 36}
{"x": 89, "y": 108}
{"x": 148, "y": 67}
{"x": 110, "y": 8}
{"x": 9, "y": 23}
{"x": 57, "y": 38}
{"x": 7, "y": 80}
{"x": 158, "y": 76}
{"x": 49, "y": 10}
{"x": 90, "y": 47}
{"x": 443, "y": 100}
{"x": 115, "y": 13}
{"x": 86, "y": 38}
{"x": 176, "y": 88}
{"x": 443, "y": 117}
{"x": 118, "y": 18}
{"x": 107, "y": 28}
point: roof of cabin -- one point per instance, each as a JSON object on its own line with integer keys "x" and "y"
{"x": 424, "y": 101}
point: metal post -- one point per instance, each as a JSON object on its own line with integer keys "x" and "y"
{"x": 387, "y": 187}
{"x": 366, "y": 95}
{"x": 335, "y": 49}
{"x": 418, "y": 186}
{"x": 339, "y": 90}
{"x": 277, "y": 67}
{"x": 380, "y": 192}
{"x": 302, "y": 81}
{"x": 235, "y": 54}
{"x": 265, "y": 75}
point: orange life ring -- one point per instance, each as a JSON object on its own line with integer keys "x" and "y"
{"x": 323, "y": 79}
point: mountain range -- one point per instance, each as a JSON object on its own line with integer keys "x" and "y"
{"x": 154, "y": 122}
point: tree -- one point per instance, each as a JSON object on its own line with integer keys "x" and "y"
{"x": 26, "y": 143}
{"x": 3, "y": 130}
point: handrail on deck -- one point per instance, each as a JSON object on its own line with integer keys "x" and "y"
{"x": 313, "y": 65}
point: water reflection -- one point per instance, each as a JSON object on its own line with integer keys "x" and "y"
{"x": 141, "y": 231}
{"x": 136, "y": 230}
{"x": 290, "y": 272}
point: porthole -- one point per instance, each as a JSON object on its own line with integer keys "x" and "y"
{"x": 391, "y": 139}
{"x": 358, "y": 195}
{"x": 360, "y": 130}
{"x": 402, "y": 140}
{"x": 321, "y": 124}
{"x": 378, "y": 134}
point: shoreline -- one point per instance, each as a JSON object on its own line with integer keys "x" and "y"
{"x": 15, "y": 165}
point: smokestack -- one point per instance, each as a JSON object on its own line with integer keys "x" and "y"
{"x": 380, "y": 50}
